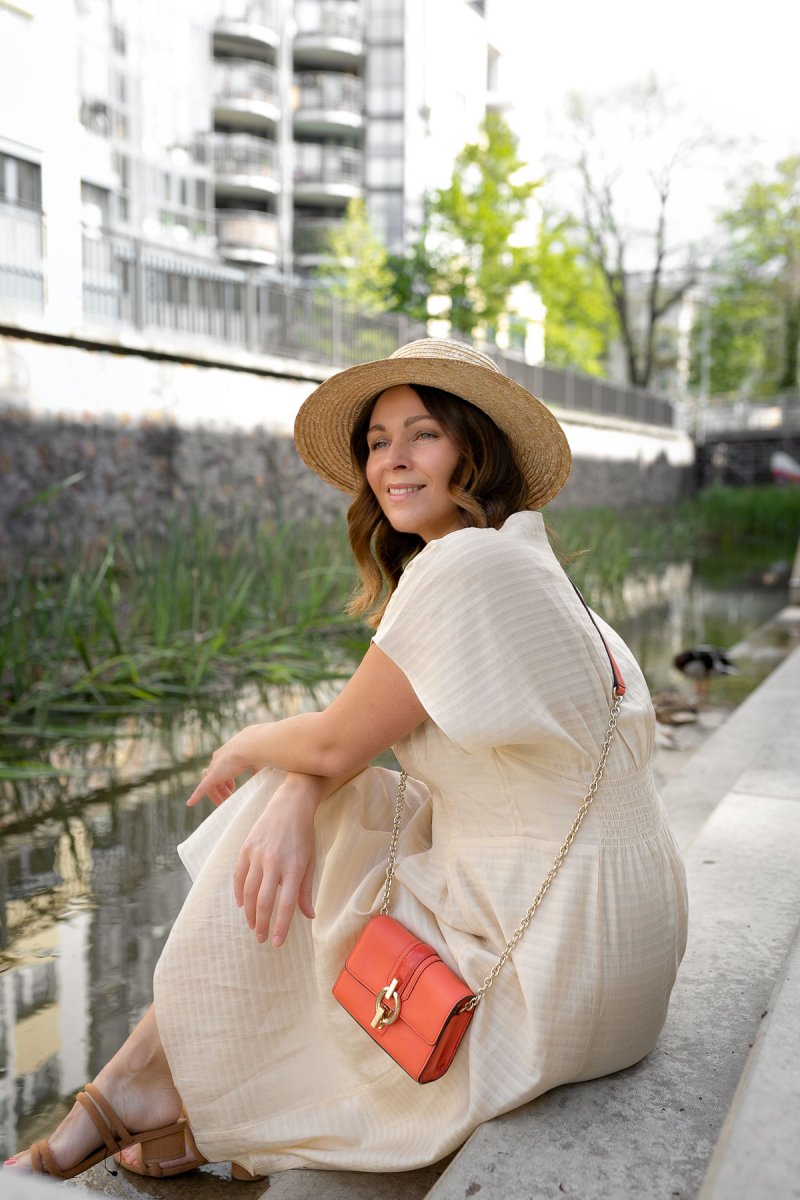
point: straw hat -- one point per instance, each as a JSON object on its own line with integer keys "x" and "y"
{"x": 326, "y": 420}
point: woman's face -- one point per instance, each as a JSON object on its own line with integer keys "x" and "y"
{"x": 410, "y": 464}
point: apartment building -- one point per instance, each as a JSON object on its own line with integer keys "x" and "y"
{"x": 235, "y": 131}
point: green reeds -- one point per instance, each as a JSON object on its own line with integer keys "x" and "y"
{"x": 184, "y": 619}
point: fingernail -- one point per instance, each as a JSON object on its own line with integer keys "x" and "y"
{"x": 277, "y": 940}
{"x": 260, "y": 937}
{"x": 9, "y": 1162}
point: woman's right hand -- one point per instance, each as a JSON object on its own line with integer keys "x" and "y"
{"x": 274, "y": 872}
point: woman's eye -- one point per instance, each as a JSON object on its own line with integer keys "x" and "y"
{"x": 379, "y": 444}
{"x": 426, "y": 433}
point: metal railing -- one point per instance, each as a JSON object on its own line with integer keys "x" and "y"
{"x": 242, "y": 81}
{"x": 337, "y": 19}
{"x": 247, "y": 229}
{"x": 569, "y": 390}
{"x": 318, "y": 163}
{"x": 330, "y": 92}
{"x": 160, "y": 291}
{"x": 311, "y": 234}
{"x": 21, "y": 255}
{"x": 131, "y": 282}
{"x": 243, "y": 154}
{"x": 779, "y": 414}
{"x": 249, "y": 12}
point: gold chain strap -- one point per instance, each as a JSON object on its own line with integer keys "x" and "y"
{"x": 562, "y": 854}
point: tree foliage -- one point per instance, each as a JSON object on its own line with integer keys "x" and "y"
{"x": 356, "y": 266}
{"x": 580, "y": 319}
{"x": 473, "y": 225}
{"x": 751, "y": 329}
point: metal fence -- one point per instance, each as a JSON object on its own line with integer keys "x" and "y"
{"x": 568, "y": 389}
{"x": 127, "y": 281}
{"x": 778, "y": 415}
{"x": 21, "y": 255}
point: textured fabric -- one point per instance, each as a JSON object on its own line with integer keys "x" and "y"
{"x": 517, "y": 685}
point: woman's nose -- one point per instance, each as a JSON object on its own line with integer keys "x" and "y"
{"x": 397, "y": 456}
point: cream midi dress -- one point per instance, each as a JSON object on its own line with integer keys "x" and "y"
{"x": 517, "y": 685}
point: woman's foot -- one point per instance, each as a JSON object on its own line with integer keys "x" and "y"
{"x": 139, "y": 1159}
{"x": 146, "y": 1102}
{"x": 109, "y": 1115}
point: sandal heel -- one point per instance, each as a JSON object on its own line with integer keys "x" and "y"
{"x": 244, "y": 1176}
{"x": 165, "y": 1147}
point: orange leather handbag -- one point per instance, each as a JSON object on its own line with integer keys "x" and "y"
{"x": 409, "y": 1002}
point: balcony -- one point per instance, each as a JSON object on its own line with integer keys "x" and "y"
{"x": 327, "y": 175}
{"x": 310, "y": 242}
{"x": 331, "y": 36}
{"x": 328, "y": 103}
{"x": 245, "y": 167}
{"x": 246, "y": 236}
{"x": 247, "y": 28}
{"x": 21, "y": 256}
{"x": 246, "y": 96}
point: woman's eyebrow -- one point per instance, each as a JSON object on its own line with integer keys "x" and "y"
{"x": 408, "y": 421}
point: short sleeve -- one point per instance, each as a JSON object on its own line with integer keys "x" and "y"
{"x": 482, "y": 627}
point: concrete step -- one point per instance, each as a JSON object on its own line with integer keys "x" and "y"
{"x": 758, "y": 1152}
{"x": 651, "y": 1131}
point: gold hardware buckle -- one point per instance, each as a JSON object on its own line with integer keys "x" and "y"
{"x": 384, "y": 1014}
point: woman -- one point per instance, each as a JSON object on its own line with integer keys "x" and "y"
{"x": 494, "y": 686}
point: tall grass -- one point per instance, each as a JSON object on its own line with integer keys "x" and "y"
{"x": 181, "y": 619}
{"x": 722, "y": 532}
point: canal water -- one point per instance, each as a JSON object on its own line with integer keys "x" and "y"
{"x": 90, "y": 882}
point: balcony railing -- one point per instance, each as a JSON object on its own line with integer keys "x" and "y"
{"x": 320, "y": 164}
{"x": 333, "y": 20}
{"x": 329, "y": 91}
{"x": 240, "y": 83}
{"x": 247, "y": 231}
{"x": 241, "y": 155}
{"x": 249, "y": 12}
{"x": 21, "y": 262}
{"x": 311, "y": 236}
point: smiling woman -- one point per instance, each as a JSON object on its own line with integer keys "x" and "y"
{"x": 502, "y": 696}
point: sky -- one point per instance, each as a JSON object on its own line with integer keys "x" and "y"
{"x": 733, "y": 66}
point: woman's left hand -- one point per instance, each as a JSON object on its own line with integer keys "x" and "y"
{"x": 218, "y": 781}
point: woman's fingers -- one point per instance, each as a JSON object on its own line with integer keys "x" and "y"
{"x": 304, "y": 902}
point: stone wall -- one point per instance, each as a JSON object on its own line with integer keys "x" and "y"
{"x": 139, "y": 442}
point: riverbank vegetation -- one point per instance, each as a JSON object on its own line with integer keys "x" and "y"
{"x": 147, "y": 626}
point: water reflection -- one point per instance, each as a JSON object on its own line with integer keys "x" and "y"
{"x": 90, "y": 882}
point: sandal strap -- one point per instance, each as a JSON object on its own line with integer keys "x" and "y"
{"x": 42, "y": 1161}
{"x": 106, "y": 1121}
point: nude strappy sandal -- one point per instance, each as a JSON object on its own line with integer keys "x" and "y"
{"x": 189, "y": 1159}
{"x": 157, "y": 1144}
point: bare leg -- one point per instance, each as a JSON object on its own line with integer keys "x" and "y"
{"x": 137, "y": 1082}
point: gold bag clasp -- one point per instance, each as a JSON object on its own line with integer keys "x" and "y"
{"x": 385, "y": 1015}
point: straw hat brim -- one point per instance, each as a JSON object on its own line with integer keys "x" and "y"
{"x": 326, "y": 420}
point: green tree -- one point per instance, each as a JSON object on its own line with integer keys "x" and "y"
{"x": 580, "y": 320}
{"x": 356, "y": 264}
{"x": 470, "y": 241}
{"x": 751, "y": 329}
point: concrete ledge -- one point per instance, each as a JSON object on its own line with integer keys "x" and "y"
{"x": 695, "y": 791}
{"x": 651, "y": 1131}
{"x": 758, "y": 1153}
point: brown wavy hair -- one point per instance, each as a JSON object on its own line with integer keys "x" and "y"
{"x": 487, "y": 486}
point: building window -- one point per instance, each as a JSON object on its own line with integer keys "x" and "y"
{"x": 20, "y": 182}
{"x": 95, "y": 206}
